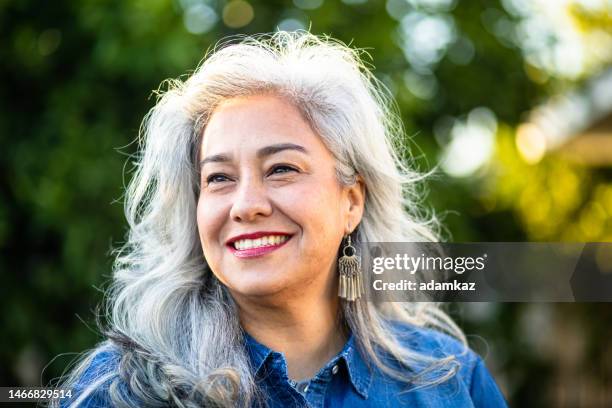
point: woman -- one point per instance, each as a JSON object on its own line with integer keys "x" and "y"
{"x": 255, "y": 174}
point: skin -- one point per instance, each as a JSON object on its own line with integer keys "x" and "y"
{"x": 287, "y": 299}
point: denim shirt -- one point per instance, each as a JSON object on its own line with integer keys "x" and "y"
{"x": 345, "y": 381}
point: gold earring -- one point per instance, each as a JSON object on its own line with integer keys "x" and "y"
{"x": 350, "y": 286}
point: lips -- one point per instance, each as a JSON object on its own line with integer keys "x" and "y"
{"x": 257, "y": 243}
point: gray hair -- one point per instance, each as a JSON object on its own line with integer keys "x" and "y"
{"x": 167, "y": 312}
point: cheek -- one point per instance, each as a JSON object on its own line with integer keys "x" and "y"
{"x": 209, "y": 223}
{"x": 317, "y": 209}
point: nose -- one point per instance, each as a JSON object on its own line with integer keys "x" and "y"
{"x": 250, "y": 201}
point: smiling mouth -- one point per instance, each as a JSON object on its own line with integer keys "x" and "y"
{"x": 255, "y": 248}
{"x": 261, "y": 242}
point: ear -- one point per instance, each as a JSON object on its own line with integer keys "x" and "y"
{"x": 356, "y": 194}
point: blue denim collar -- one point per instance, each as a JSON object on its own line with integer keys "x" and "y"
{"x": 359, "y": 373}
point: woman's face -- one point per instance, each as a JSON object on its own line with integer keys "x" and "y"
{"x": 271, "y": 213}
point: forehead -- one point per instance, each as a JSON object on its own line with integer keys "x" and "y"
{"x": 251, "y": 122}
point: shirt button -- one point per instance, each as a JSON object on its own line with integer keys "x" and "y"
{"x": 335, "y": 370}
{"x": 305, "y": 389}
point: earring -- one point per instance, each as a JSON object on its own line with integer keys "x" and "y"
{"x": 350, "y": 286}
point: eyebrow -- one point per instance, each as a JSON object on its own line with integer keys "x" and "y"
{"x": 263, "y": 152}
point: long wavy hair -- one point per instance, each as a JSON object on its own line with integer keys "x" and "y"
{"x": 167, "y": 313}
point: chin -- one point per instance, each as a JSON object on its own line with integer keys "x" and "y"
{"x": 258, "y": 287}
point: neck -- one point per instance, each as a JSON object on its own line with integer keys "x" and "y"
{"x": 308, "y": 334}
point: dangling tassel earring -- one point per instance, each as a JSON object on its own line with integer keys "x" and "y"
{"x": 350, "y": 286}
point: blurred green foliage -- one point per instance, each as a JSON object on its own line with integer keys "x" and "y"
{"x": 77, "y": 79}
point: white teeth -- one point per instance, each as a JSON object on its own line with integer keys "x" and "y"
{"x": 260, "y": 242}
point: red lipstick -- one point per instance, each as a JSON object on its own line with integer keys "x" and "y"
{"x": 254, "y": 252}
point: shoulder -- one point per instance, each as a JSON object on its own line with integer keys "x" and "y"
{"x": 436, "y": 344}
{"x": 103, "y": 360}
{"x": 93, "y": 380}
{"x": 427, "y": 339}
{"x": 471, "y": 372}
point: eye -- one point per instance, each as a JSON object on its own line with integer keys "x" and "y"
{"x": 282, "y": 168}
{"x": 216, "y": 178}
